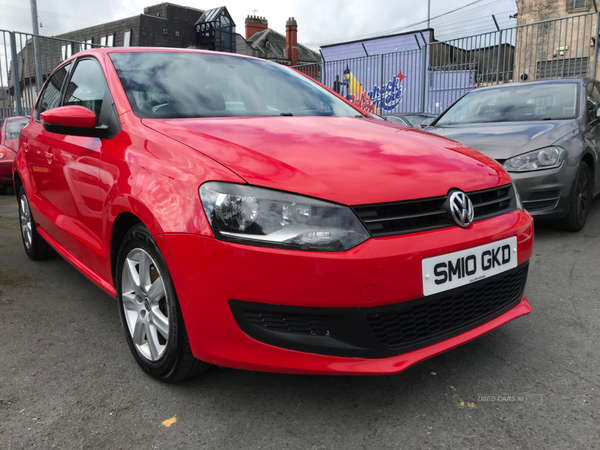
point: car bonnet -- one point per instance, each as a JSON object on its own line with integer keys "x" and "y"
{"x": 346, "y": 160}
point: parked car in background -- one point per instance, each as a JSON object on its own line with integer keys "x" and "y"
{"x": 9, "y": 144}
{"x": 546, "y": 134}
{"x": 245, "y": 216}
{"x": 410, "y": 120}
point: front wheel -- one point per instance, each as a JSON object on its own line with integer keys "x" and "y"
{"x": 579, "y": 202}
{"x": 150, "y": 312}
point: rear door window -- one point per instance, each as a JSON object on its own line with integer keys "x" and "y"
{"x": 51, "y": 96}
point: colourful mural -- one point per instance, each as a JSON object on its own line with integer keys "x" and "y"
{"x": 378, "y": 100}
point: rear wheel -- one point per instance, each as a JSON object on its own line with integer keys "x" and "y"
{"x": 579, "y": 203}
{"x": 35, "y": 245}
{"x": 150, "y": 312}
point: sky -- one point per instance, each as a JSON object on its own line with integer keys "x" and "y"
{"x": 320, "y": 22}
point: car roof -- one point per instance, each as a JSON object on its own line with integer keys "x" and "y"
{"x": 109, "y": 50}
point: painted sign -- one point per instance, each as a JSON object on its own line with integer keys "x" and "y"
{"x": 378, "y": 100}
{"x": 385, "y": 75}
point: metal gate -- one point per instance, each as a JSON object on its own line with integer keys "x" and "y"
{"x": 20, "y": 76}
{"x": 431, "y": 78}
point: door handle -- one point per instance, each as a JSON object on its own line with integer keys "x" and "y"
{"x": 49, "y": 156}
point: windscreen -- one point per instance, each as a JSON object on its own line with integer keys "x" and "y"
{"x": 514, "y": 103}
{"x": 417, "y": 120}
{"x": 14, "y": 127}
{"x": 183, "y": 85}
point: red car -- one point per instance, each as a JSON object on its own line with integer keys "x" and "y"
{"x": 245, "y": 216}
{"x": 9, "y": 144}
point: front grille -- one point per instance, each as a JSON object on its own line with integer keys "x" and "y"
{"x": 412, "y": 216}
{"x": 424, "y": 320}
{"x": 542, "y": 200}
{"x": 382, "y": 331}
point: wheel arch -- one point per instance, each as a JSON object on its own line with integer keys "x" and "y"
{"x": 588, "y": 158}
{"x": 17, "y": 183}
{"x": 121, "y": 225}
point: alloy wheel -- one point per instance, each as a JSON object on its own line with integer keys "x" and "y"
{"x": 25, "y": 221}
{"x": 145, "y": 304}
{"x": 583, "y": 195}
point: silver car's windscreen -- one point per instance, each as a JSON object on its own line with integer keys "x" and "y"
{"x": 514, "y": 103}
{"x": 185, "y": 84}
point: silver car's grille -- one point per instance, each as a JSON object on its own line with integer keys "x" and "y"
{"x": 413, "y": 216}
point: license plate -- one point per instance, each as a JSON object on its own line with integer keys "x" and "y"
{"x": 452, "y": 270}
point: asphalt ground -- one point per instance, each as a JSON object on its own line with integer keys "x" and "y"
{"x": 68, "y": 380}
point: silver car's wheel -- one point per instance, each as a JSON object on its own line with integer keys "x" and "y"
{"x": 579, "y": 203}
{"x": 145, "y": 304}
{"x": 150, "y": 312}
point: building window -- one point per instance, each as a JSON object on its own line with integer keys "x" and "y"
{"x": 177, "y": 34}
{"x": 578, "y": 5}
{"x": 127, "y": 39}
{"x": 107, "y": 41}
{"x": 66, "y": 50}
{"x": 165, "y": 31}
{"x": 564, "y": 68}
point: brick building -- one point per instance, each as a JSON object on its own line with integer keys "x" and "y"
{"x": 162, "y": 25}
{"x": 269, "y": 44}
{"x": 165, "y": 25}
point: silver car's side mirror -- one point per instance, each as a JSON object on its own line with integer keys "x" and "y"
{"x": 427, "y": 122}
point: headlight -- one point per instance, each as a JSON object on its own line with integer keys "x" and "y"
{"x": 259, "y": 216}
{"x": 546, "y": 158}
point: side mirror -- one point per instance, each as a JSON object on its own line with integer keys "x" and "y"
{"x": 72, "y": 120}
{"x": 427, "y": 122}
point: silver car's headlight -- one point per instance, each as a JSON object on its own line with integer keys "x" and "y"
{"x": 545, "y": 158}
{"x": 258, "y": 216}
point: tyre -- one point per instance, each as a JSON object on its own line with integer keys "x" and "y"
{"x": 35, "y": 245}
{"x": 150, "y": 312}
{"x": 579, "y": 202}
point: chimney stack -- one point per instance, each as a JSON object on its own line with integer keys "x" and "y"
{"x": 255, "y": 24}
{"x": 291, "y": 41}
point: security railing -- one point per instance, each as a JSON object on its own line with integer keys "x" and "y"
{"x": 430, "y": 77}
{"x": 26, "y": 60}
{"x": 427, "y": 78}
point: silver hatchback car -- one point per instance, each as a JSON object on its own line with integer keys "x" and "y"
{"x": 546, "y": 134}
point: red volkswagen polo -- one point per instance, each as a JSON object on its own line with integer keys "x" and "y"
{"x": 244, "y": 215}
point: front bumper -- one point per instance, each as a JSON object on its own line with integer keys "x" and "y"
{"x": 209, "y": 274}
{"x": 546, "y": 193}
